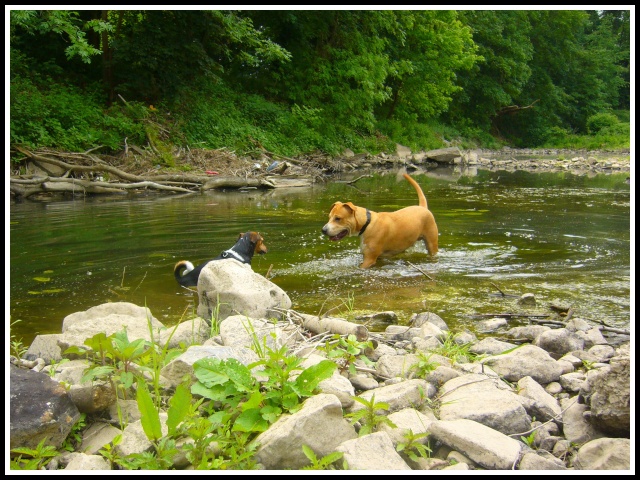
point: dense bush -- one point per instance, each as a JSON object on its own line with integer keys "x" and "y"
{"x": 600, "y": 121}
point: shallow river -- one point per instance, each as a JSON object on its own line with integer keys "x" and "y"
{"x": 562, "y": 237}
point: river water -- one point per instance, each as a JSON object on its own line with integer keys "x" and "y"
{"x": 564, "y": 238}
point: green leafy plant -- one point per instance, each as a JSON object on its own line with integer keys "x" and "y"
{"x": 114, "y": 358}
{"x": 252, "y": 405}
{"x": 346, "y": 350}
{"x": 18, "y": 349}
{"x": 453, "y": 350}
{"x": 215, "y": 318}
{"x": 370, "y": 417}
{"x": 109, "y": 451}
{"x": 349, "y": 303}
{"x": 324, "y": 463}
{"x": 52, "y": 368}
{"x": 530, "y": 439}
{"x": 412, "y": 447}
{"x": 74, "y": 439}
{"x": 33, "y": 458}
{"x": 423, "y": 366}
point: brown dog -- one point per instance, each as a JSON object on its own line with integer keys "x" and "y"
{"x": 384, "y": 233}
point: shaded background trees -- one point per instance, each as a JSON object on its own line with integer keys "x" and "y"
{"x": 300, "y": 80}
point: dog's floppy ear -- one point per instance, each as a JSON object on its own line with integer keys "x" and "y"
{"x": 334, "y": 206}
{"x": 350, "y": 206}
{"x": 240, "y": 236}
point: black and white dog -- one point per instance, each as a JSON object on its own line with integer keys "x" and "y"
{"x": 247, "y": 245}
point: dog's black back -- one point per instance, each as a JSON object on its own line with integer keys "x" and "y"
{"x": 243, "y": 250}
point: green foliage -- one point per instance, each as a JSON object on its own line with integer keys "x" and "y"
{"x": 456, "y": 352}
{"x": 598, "y": 122}
{"x": 412, "y": 447}
{"x": 423, "y": 366}
{"x": 116, "y": 359}
{"x": 324, "y": 463}
{"x": 18, "y": 349}
{"x": 253, "y": 406}
{"x": 48, "y": 23}
{"x": 74, "y": 439}
{"x": 33, "y": 458}
{"x": 233, "y": 408}
{"x": 529, "y": 439}
{"x": 297, "y": 82}
{"x": 47, "y": 113}
{"x": 346, "y": 350}
{"x": 615, "y": 136}
{"x": 371, "y": 416}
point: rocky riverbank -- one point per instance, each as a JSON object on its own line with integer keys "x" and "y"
{"x": 46, "y": 173}
{"x": 418, "y": 397}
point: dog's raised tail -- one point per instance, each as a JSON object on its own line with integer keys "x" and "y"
{"x": 182, "y": 267}
{"x": 422, "y": 200}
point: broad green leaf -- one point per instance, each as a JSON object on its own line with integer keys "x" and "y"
{"x": 210, "y": 371}
{"x": 271, "y": 413}
{"x": 309, "y": 379}
{"x": 127, "y": 379}
{"x": 255, "y": 400}
{"x": 179, "y": 406}
{"x": 216, "y": 392}
{"x": 290, "y": 401}
{"x": 240, "y": 375}
{"x": 309, "y": 454}
{"x": 150, "y": 417}
{"x": 250, "y": 421}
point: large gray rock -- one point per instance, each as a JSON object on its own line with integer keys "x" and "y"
{"x": 39, "y": 408}
{"x": 372, "y": 452}
{"x": 319, "y": 424}
{"x": 608, "y": 393}
{"x": 559, "y": 341}
{"x": 527, "y": 360}
{"x": 444, "y": 155}
{"x": 485, "y": 400}
{"x": 604, "y": 454}
{"x": 228, "y": 287}
{"x": 109, "y": 318}
{"x": 485, "y": 446}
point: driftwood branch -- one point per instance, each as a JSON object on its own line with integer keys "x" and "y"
{"x": 351, "y": 182}
{"x": 514, "y": 108}
{"x": 329, "y": 324}
{"x": 90, "y": 164}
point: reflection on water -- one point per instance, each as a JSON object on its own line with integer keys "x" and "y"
{"x": 563, "y": 238}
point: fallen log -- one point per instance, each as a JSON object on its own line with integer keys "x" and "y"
{"x": 332, "y": 325}
{"x": 235, "y": 182}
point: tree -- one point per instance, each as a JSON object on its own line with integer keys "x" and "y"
{"x": 61, "y": 27}
{"x": 574, "y": 74}
{"x": 429, "y": 51}
{"x": 498, "y": 78}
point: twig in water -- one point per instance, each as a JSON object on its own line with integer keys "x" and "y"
{"x": 502, "y": 293}
{"x": 421, "y": 271}
{"x": 143, "y": 277}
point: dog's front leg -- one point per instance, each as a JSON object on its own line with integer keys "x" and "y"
{"x": 370, "y": 255}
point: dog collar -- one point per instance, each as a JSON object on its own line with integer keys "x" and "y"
{"x": 226, "y": 253}
{"x": 366, "y": 224}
